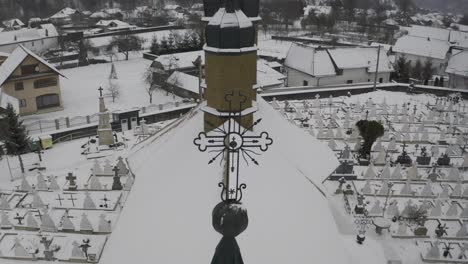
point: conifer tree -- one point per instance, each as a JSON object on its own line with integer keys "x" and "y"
{"x": 155, "y": 47}
{"x": 428, "y": 71}
{"x": 15, "y": 138}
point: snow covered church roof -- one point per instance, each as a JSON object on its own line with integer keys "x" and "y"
{"x": 167, "y": 217}
{"x": 16, "y": 58}
{"x": 361, "y": 57}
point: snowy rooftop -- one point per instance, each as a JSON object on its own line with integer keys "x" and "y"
{"x": 113, "y": 22}
{"x": 310, "y": 60}
{"x": 179, "y": 61}
{"x": 5, "y": 99}
{"x": 431, "y": 48}
{"x": 12, "y": 22}
{"x": 362, "y": 57}
{"x": 64, "y": 13}
{"x": 289, "y": 217}
{"x": 317, "y": 10}
{"x": 184, "y": 81}
{"x": 27, "y": 34}
{"x": 458, "y": 64}
{"x": 15, "y": 59}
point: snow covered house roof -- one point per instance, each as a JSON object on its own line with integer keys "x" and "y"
{"x": 268, "y": 77}
{"x": 460, "y": 27}
{"x": 179, "y": 61}
{"x": 315, "y": 62}
{"x": 360, "y": 57}
{"x": 16, "y": 58}
{"x": 429, "y": 32}
{"x": 168, "y": 214}
{"x": 317, "y": 9}
{"x": 431, "y": 48}
{"x": 114, "y": 24}
{"x": 11, "y": 23}
{"x": 28, "y": 34}
{"x": 458, "y": 64}
{"x": 184, "y": 81}
{"x": 64, "y": 13}
{"x": 459, "y": 38}
{"x": 99, "y": 14}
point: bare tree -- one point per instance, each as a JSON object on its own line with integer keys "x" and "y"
{"x": 150, "y": 81}
{"x": 114, "y": 90}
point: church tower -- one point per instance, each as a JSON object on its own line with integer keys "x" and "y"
{"x": 230, "y": 60}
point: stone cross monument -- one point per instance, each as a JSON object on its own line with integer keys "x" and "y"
{"x": 105, "y": 134}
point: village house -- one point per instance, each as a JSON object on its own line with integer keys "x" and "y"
{"x": 39, "y": 40}
{"x": 65, "y": 16}
{"x": 13, "y": 24}
{"x": 114, "y": 25}
{"x": 309, "y": 66}
{"x": 32, "y": 81}
{"x": 267, "y": 77}
{"x": 457, "y": 70}
{"x": 3, "y": 57}
{"x": 415, "y": 48}
{"x": 183, "y": 85}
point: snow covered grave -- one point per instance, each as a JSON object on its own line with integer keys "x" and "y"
{"x": 425, "y": 196}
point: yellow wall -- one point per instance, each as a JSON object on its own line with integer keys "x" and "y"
{"x": 30, "y": 93}
{"x": 225, "y": 74}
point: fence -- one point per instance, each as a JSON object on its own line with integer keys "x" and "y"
{"x": 36, "y": 127}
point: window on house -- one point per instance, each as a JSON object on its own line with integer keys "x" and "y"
{"x": 305, "y": 83}
{"x": 32, "y": 44}
{"x": 368, "y": 80}
{"x": 47, "y": 100}
{"x": 19, "y": 86}
{"x": 29, "y": 69}
{"x": 349, "y": 81}
{"x": 22, "y": 103}
{"x": 47, "y": 82}
{"x": 42, "y": 41}
{"x": 380, "y": 80}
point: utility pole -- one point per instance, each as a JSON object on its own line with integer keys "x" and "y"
{"x": 377, "y": 68}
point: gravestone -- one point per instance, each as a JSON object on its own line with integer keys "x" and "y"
{"x": 346, "y": 152}
{"x": 452, "y": 210}
{"x": 85, "y": 224}
{"x": 454, "y": 174}
{"x": 31, "y": 221}
{"x": 367, "y": 188}
{"x": 381, "y": 158}
{"x": 378, "y": 145}
{"x": 385, "y": 172}
{"x": 25, "y": 186}
{"x": 37, "y": 201}
{"x": 108, "y": 169}
{"x": 376, "y": 208}
{"x": 412, "y": 173}
{"x": 462, "y": 232}
{"x": 423, "y": 159}
{"x": 71, "y": 182}
{"x": 384, "y": 190}
{"x": 41, "y": 183}
{"x": 4, "y": 205}
{"x": 53, "y": 186}
{"x": 427, "y": 190}
{"x": 434, "y": 251}
{"x": 444, "y": 160}
{"x": 104, "y": 225}
{"x": 19, "y": 249}
{"x": 97, "y": 170}
{"x": 437, "y": 210}
{"x": 77, "y": 253}
{"x": 407, "y": 190}
{"x": 464, "y": 213}
{"x": 457, "y": 191}
{"x": 433, "y": 176}
{"x": 393, "y": 209}
{"x": 360, "y": 206}
{"x": 94, "y": 183}
{"x": 123, "y": 170}
{"x": 396, "y": 175}
{"x": 116, "y": 184}
{"x": 67, "y": 224}
{"x": 445, "y": 192}
{"x": 47, "y": 224}
{"x": 402, "y": 229}
{"x": 332, "y": 144}
{"x": 370, "y": 172}
{"x": 5, "y": 221}
{"x": 404, "y": 158}
{"x": 88, "y": 202}
{"x": 129, "y": 183}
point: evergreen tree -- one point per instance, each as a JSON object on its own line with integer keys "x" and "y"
{"x": 164, "y": 46}
{"x": 83, "y": 54}
{"x": 402, "y": 69}
{"x": 155, "y": 47}
{"x": 416, "y": 71}
{"x": 185, "y": 44}
{"x": 171, "y": 42}
{"x": 195, "y": 41}
{"x": 369, "y": 131}
{"x": 441, "y": 82}
{"x": 428, "y": 71}
{"x": 16, "y": 141}
{"x": 436, "y": 81}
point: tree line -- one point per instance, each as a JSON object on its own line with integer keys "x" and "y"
{"x": 405, "y": 71}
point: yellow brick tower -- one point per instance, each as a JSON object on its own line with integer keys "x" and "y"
{"x": 230, "y": 59}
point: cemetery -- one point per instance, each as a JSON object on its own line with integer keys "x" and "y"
{"x": 412, "y": 186}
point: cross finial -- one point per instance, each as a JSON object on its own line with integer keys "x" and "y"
{"x": 100, "y": 91}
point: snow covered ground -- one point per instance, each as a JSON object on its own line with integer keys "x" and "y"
{"x": 80, "y": 94}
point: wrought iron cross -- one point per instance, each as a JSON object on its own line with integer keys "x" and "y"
{"x": 100, "y": 91}
{"x": 233, "y": 144}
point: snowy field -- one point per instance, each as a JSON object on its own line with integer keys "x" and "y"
{"x": 80, "y": 89}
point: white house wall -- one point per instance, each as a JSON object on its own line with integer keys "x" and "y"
{"x": 457, "y": 81}
{"x": 438, "y": 64}
{"x": 297, "y": 78}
